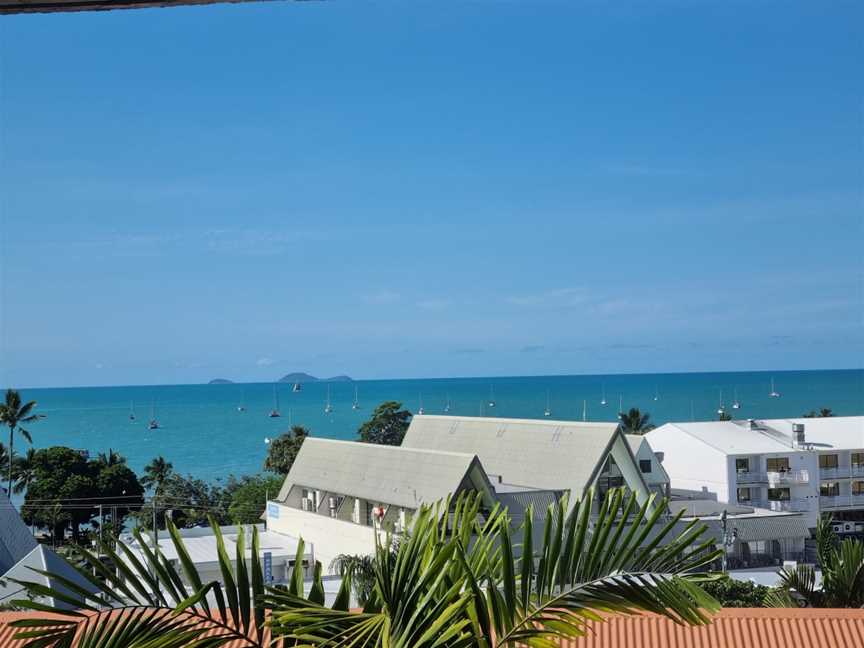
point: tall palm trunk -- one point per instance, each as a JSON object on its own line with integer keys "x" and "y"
{"x": 11, "y": 440}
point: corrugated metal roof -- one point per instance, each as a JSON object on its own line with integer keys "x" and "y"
{"x": 389, "y": 474}
{"x": 16, "y": 541}
{"x": 732, "y": 628}
{"x": 554, "y": 455}
{"x": 762, "y": 527}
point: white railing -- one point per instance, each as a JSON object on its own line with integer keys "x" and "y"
{"x": 787, "y": 505}
{"x": 841, "y": 501}
{"x": 834, "y": 473}
{"x": 788, "y": 477}
{"x": 751, "y": 477}
{"x": 857, "y": 470}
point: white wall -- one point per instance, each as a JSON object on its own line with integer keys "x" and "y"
{"x": 327, "y": 536}
{"x": 690, "y": 463}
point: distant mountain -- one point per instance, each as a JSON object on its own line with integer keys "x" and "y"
{"x": 221, "y": 381}
{"x": 300, "y": 377}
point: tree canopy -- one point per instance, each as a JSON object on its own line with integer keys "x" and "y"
{"x": 635, "y": 422}
{"x": 387, "y": 425}
{"x": 283, "y": 450}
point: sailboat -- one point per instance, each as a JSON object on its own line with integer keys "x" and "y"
{"x": 620, "y": 403}
{"x": 420, "y": 409}
{"x": 356, "y": 404}
{"x": 153, "y": 424}
{"x": 603, "y": 398}
{"x": 131, "y": 410}
{"x": 656, "y": 393}
{"x": 296, "y": 387}
{"x": 584, "y": 409}
{"x": 491, "y": 402}
{"x": 774, "y": 393}
{"x": 274, "y": 413}
{"x": 447, "y": 404}
{"x": 736, "y": 404}
{"x": 548, "y": 410}
{"x": 721, "y": 410}
{"x": 328, "y": 407}
{"x": 242, "y": 406}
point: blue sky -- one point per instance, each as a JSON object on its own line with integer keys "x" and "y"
{"x": 430, "y": 189}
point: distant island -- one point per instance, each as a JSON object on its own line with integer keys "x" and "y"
{"x": 221, "y": 381}
{"x": 301, "y": 377}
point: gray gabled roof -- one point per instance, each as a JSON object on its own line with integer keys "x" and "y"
{"x": 43, "y": 559}
{"x": 554, "y": 455}
{"x": 16, "y": 541}
{"x": 387, "y": 474}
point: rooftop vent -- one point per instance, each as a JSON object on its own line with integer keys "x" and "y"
{"x": 798, "y": 434}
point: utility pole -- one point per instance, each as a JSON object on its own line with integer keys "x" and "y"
{"x": 728, "y": 539}
{"x": 101, "y": 527}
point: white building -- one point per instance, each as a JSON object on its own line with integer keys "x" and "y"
{"x": 806, "y": 465}
{"x": 340, "y": 494}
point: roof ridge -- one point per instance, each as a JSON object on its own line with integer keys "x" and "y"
{"x": 385, "y": 447}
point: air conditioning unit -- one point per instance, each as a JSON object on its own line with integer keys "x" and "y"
{"x": 306, "y": 504}
{"x": 848, "y": 527}
{"x": 838, "y": 528}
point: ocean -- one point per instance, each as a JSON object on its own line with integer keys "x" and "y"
{"x": 203, "y": 433}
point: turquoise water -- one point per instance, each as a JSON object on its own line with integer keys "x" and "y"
{"x": 203, "y": 433}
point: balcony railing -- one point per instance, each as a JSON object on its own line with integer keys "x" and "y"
{"x": 751, "y": 477}
{"x": 841, "y": 501}
{"x": 780, "y": 505}
{"x": 857, "y": 470}
{"x": 835, "y": 473}
{"x": 788, "y": 477}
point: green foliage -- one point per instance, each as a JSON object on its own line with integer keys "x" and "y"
{"x": 737, "y": 594}
{"x": 247, "y": 496}
{"x": 842, "y": 564}
{"x": 283, "y": 450}
{"x": 457, "y": 580}
{"x": 822, "y": 413}
{"x": 66, "y": 488}
{"x": 724, "y": 416}
{"x": 635, "y": 422}
{"x": 387, "y": 425}
{"x": 13, "y": 413}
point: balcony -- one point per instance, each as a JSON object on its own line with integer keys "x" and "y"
{"x": 841, "y": 472}
{"x": 795, "y": 505}
{"x": 841, "y": 501}
{"x": 751, "y": 477}
{"x": 788, "y": 477}
{"x": 857, "y": 470}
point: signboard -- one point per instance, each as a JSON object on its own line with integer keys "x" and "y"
{"x": 268, "y": 567}
{"x": 272, "y": 510}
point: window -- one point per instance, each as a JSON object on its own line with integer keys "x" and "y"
{"x": 857, "y": 459}
{"x": 778, "y": 494}
{"x": 742, "y": 465}
{"x": 645, "y": 465}
{"x": 828, "y": 461}
{"x": 858, "y": 487}
{"x": 829, "y": 489}
{"x": 743, "y": 494}
{"x": 778, "y": 464}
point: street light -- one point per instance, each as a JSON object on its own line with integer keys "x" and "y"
{"x": 728, "y": 538}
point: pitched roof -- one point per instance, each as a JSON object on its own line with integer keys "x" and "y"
{"x": 41, "y": 558}
{"x": 16, "y": 541}
{"x": 554, "y": 455}
{"x": 388, "y": 474}
{"x": 732, "y": 628}
{"x": 773, "y": 435}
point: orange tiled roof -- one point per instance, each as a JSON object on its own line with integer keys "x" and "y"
{"x": 731, "y": 628}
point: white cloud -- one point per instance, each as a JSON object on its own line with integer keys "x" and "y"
{"x": 383, "y": 296}
{"x": 433, "y": 304}
{"x": 265, "y": 362}
{"x": 557, "y": 297}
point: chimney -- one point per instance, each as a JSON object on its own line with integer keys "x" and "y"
{"x": 798, "y": 435}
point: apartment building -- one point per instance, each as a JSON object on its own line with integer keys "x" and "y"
{"x": 807, "y": 465}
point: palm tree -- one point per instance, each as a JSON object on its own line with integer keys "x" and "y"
{"x": 842, "y": 575}
{"x": 13, "y": 413}
{"x": 360, "y": 570}
{"x": 113, "y": 458}
{"x": 635, "y": 422}
{"x": 25, "y": 471}
{"x": 156, "y": 473}
{"x": 464, "y": 577}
